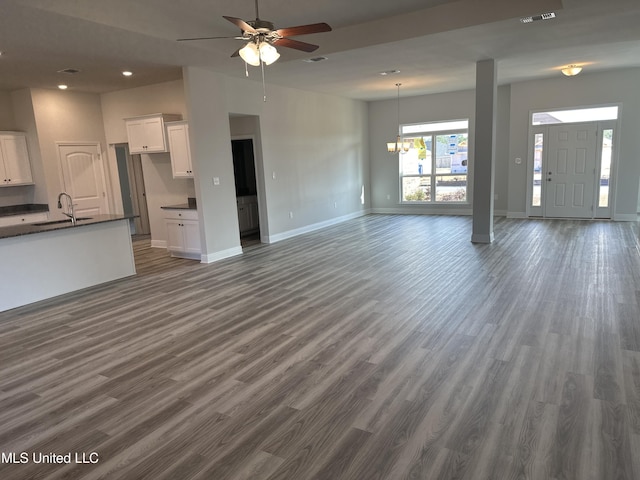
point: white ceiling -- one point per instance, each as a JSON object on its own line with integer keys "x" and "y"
{"x": 434, "y": 43}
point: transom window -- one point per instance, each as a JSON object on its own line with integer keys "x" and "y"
{"x": 434, "y": 170}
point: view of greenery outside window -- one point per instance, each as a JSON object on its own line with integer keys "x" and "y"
{"x": 536, "y": 201}
{"x": 605, "y": 167}
{"x": 434, "y": 170}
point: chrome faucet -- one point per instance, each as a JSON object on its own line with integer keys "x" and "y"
{"x": 71, "y": 213}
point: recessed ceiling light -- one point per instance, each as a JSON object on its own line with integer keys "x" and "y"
{"x": 535, "y": 18}
{"x": 62, "y": 87}
{"x": 127, "y": 73}
{"x": 389, "y": 72}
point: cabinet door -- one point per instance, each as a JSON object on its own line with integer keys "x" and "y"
{"x": 178, "y": 138}
{"x": 254, "y": 220}
{"x": 191, "y": 236}
{"x": 136, "y": 135}
{"x": 17, "y": 167}
{"x": 154, "y": 135}
{"x": 244, "y": 220}
{"x": 146, "y": 135}
{"x": 175, "y": 235}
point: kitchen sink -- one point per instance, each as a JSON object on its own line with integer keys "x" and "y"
{"x": 60, "y": 222}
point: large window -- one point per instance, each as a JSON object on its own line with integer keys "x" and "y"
{"x": 434, "y": 170}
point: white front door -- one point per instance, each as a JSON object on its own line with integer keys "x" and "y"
{"x": 571, "y": 171}
{"x": 83, "y": 176}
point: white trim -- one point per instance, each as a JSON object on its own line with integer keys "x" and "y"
{"x": 313, "y": 227}
{"x": 482, "y": 238}
{"x": 518, "y": 215}
{"x": 159, "y": 244}
{"x": 221, "y": 255}
{"x": 625, "y": 217}
{"x": 416, "y": 210}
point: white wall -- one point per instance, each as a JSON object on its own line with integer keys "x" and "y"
{"x": 314, "y": 145}
{"x": 63, "y": 116}
{"x": 515, "y": 102}
{"x": 7, "y": 120}
{"x": 619, "y": 86}
{"x": 18, "y": 115}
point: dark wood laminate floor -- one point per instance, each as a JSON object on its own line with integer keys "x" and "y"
{"x": 387, "y": 347}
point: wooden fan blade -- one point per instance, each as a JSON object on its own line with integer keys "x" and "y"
{"x": 295, "y": 44}
{"x": 303, "y": 30}
{"x": 241, "y": 24}
{"x": 204, "y": 38}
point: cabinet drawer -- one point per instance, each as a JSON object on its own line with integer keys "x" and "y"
{"x": 181, "y": 214}
{"x": 20, "y": 219}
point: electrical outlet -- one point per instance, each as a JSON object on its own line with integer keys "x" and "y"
{"x": 216, "y": 180}
{"x": 290, "y": 214}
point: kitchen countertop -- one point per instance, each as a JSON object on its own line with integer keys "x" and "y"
{"x": 41, "y": 227}
{"x": 183, "y": 206}
{"x": 23, "y": 209}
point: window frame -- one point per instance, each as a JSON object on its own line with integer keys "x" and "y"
{"x": 434, "y": 174}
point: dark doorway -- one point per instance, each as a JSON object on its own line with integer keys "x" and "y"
{"x": 244, "y": 169}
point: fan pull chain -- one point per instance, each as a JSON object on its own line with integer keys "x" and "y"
{"x": 264, "y": 87}
{"x": 246, "y": 69}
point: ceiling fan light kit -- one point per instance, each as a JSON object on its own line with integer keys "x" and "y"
{"x": 262, "y": 37}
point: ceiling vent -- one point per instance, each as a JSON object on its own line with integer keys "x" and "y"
{"x": 69, "y": 71}
{"x": 535, "y": 18}
{"x": 314, "y": 59}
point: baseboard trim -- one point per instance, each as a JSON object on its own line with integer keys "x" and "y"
{"x": 517, "y": 215}
{"x": 159, "y": 244}
{"x": 418, "y": 210}
{"x": 482, "y": 237}
{"x": 625, "y": 217}
{"x": 278, "y": 237}
{"x": 221, "y": 255}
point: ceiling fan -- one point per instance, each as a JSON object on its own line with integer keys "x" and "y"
{"x": 262, "y": 37}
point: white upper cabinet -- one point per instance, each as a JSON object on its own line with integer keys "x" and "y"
{"x": 146, "y": 133}
{"x": 178, "y": 137}
{"x": 15, "y": 167}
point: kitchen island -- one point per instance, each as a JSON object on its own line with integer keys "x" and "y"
{"x": 43, "y": 260}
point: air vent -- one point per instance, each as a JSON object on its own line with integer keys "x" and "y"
{"x": 69, "y": 71}
{"x": 535, "y": 18}
{"x": 314, "y": 59}
{"x": 388, "y": 72}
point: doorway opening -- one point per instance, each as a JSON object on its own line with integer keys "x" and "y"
{"x": 244, "y": 169}
{"x": 571, "y": 162}
{"x": 134, "y": 199}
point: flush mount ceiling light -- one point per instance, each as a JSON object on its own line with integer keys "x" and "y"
{"x": 389, "y": 72}
{"x": 62, "y": 87}
{"x": 399, "y": 146}
{"x": 571, "y": 70}
{"x": 127, "y": 73}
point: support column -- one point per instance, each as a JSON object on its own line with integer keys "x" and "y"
{"x": 484, "y": 150}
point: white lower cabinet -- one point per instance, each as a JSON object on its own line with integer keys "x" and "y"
{"x": 183, "y": 233}
{"x": 248, "y": 214}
